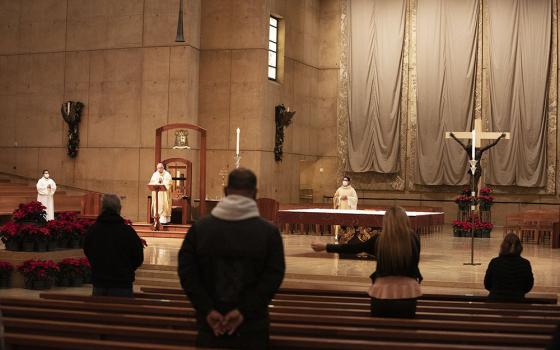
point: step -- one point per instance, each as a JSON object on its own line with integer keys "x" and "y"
{"x": 160, "y": 234}
{"x": 158, "y": 282}
{"x": 168, "y": 227}
{"x": 153, "y": 267}
{"x": 160, "y": 275}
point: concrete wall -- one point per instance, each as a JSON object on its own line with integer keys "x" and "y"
{"x": 117, "y": 57}
{"x": 235, "y": 91}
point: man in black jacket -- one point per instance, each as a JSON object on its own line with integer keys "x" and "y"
{"x": 230, "y": 265}
{"x": 114, "y": 251}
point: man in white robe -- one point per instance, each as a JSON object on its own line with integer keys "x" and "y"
{"x": 345, "y": 197}
{"x": 46, "y": 187}
{"x": 162, "y": 177}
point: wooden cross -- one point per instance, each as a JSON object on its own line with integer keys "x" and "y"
{"x": 480, "y": 135}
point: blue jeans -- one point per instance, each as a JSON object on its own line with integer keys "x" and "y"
{"x": 112, "y": 292}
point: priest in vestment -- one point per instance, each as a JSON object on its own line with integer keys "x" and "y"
{"x": 46, "y": 187}
{"x": 162, "y": 177}
{"x": 345, "y": 197}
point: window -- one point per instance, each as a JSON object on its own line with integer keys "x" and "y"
{"x": 273, "y": 48}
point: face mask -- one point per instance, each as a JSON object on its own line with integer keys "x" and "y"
{"x": 46, "y": 176}
{"x": 344, "y": 183}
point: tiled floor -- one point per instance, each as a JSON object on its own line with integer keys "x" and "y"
{"x": 441, "y": 261}
{"x": 441, "y": 264}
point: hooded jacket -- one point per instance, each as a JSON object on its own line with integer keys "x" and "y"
{"x": 232, "y": 259}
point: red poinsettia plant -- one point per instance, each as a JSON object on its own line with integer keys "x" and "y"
{"x": 71, "y": 268}
{"x": 67, "y": 216}
{"x": 86, "y": 268}
{"x": 485, "y": 198}
{"x": 34, "y": 233}
{"x": 484, "y": 227}
{"x": 464, "y": 201}
{"x": 6, "y": 268}
{"x": 9, "y": 231}
{"x": 38, "y": 270}
{"x": 462, "y": 225}
{"x": 33, "y": 211}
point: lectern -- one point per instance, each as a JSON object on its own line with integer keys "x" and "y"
{"x": 156, "y": 188}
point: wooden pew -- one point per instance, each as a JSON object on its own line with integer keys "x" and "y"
{"x": 461, "y": 312}
{"x": 339, "y": 292}
{"x": 365, "y": 335}
{"x": 21, "y": 341}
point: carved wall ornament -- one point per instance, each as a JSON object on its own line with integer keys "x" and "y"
{"x": 71, "y": 112}
{"x": 283, "y": 118}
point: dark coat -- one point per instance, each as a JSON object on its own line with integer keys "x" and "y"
{"x": 226, "y": 265}
{"x": 508, "y": 278}
{"x": 114, "y": 251}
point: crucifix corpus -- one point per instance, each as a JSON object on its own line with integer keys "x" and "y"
{"x": 474, "y": 148}
{"x": 474, "y": 151}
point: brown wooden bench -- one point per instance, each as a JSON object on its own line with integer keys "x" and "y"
{"x": 459, "y": 307}
{"x": 543, "y": 298}
{"x": 21, "y": 341}
{"x": 365, "y": 335}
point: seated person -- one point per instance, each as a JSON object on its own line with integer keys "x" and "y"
{"x": 509, "y": 276}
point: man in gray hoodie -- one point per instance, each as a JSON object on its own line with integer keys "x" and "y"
{"x": 231, "y": 264}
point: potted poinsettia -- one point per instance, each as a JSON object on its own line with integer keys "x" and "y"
{"x": 83, "y": 226}
{"x": 5, "y": 274}
{"x": 485, "y": 198}
{"x": 461, "y": 228}
{"x": 86, "y": 269}
{"x": 10, "y": 237}
{"x": 34, "y": 237}
{"x": 70, "y": 272}
{"x": 38, "y": 274}
{"x": 32, "y": 212}
{"x": 61, "y": 231}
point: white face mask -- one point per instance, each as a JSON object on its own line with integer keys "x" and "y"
{"x": 344, "y": 183}
{"x": 46, "y": 176}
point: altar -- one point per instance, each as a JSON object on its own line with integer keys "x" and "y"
{"x": 421, "y": 221}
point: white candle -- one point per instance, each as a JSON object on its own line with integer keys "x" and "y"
{"x": 178, "y": 181}
{"x": 68, "y": 109}
{"x": 237, "y": 143}
{"x": 473, "y": 144}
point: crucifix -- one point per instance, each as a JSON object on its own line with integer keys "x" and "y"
{"x": 474, "y": 147}
{"x": 474, "y": 151}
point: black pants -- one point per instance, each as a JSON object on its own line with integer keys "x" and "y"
{"x": 112, "y": 292}
{"x": 399, "y": 308}
{"x": 239, "y": 340}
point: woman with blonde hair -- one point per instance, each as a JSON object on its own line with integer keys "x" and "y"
{"x": 396, "y": 279}
{"x": 509, "y": 276}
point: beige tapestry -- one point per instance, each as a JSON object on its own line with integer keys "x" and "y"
{"x": 446, "y": 46}
{"x": 519, "y": 53}
{"x": 377, "y": 38}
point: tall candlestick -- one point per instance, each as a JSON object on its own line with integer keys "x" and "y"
{"x": 473, "y": 144}
{"x": 237, "y": 143}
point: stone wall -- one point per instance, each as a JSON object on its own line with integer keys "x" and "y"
{"x": 235, "y": 91}
{"x": 117, "y": 57}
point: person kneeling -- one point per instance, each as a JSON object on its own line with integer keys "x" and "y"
{"x": 396, "y": 281}
{"x": 509, "y": 276}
